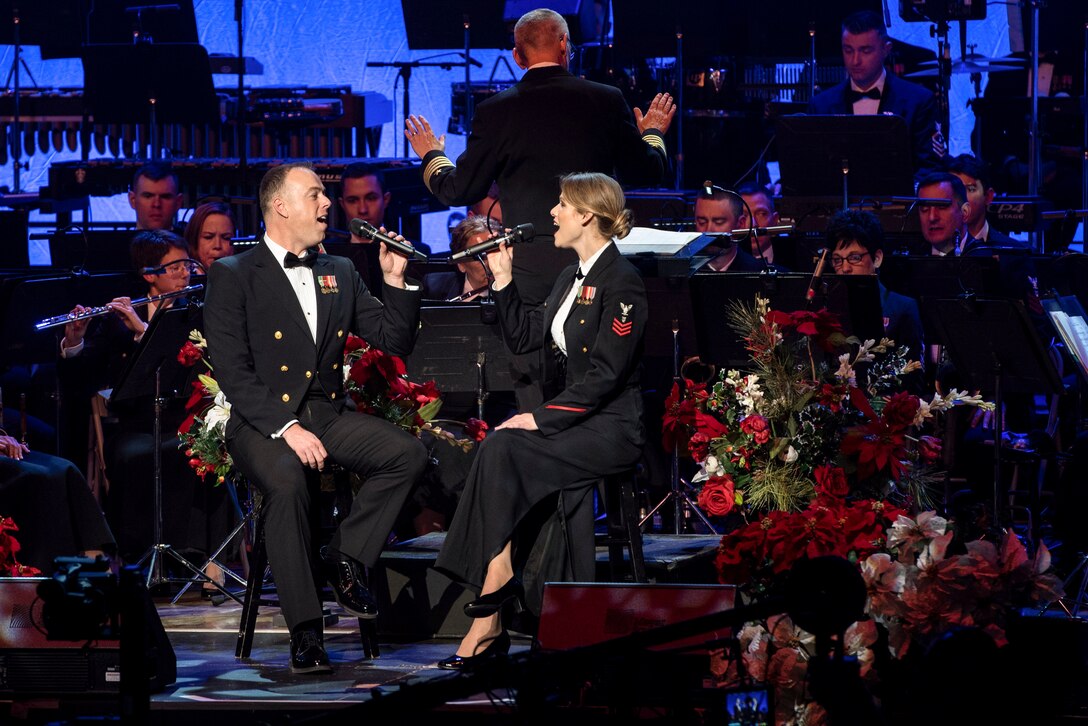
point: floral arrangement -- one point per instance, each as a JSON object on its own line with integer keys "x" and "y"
{"x": 920, "y": 581}
{"x": 9, "y": 548}
{"x": 761, "y": 437}
{"x": 377, "y": 382}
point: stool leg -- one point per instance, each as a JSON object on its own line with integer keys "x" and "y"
{"x": 257, "y": 564}
{"x": 613, "y": 503}
{"x": 368, "y": 635}
{"x": 633, "y": 531}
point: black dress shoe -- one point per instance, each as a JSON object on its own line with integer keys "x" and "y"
{"x": 492, "y": 602}
{"x": 499, "y": 645}
{"x": 347, "y": 578}
{"x": 308, "y": 654}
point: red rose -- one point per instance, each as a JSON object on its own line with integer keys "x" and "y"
{"x": 354, "y": 343}
{"x": 831, "y": 481}
{"x": 476, "y": 429}
{"x": 699, "y": 446}
{"x": 929, "y": 448}
{"x": 717, "y": 497}
{"x": 900, "y": 410}
{"x": 757, "y": 427}
{"x": 189, "y": 354}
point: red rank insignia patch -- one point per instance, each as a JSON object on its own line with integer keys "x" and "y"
{"x": 621, "y": 326}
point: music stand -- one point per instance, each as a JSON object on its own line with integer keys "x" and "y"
{"x": 865, "y": 156}
{"x": 153, "y": 367}
{"x": 994, "y": 346}
{"x": 854, "y": 298}
{"x": 461, "y": 352}
{"x": 96, "y": 250}
{"x": 928, "y": 278}
{"x": 164, "y": 83}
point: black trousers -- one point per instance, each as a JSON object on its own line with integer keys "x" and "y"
{"x": 389, "y": 459}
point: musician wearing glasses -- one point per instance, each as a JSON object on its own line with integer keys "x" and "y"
{"x": 472, "y": 278}
{"x": 94, "y": 355}
{"x": 856, "y": 241}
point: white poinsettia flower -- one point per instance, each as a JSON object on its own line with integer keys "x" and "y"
{"x": 915, "y": 534}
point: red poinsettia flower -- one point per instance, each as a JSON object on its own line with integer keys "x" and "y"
{"x": 717, "y": 497}
{"x": 354, "y": 343}
{"x": 679, "y": 418}
{"x": 877, "y": 447}
{"x": 190, "y": 354}
{"x": 699, "y": 446}
{"x": 821, "y": 325}
{"x": 757, "y": 427}
{"x": 424, "y": 393}
{"x": 476, "y": 429}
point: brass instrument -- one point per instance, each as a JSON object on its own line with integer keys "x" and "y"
{"x": 106, "y": 309}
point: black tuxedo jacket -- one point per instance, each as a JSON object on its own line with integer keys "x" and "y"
{"x": 265, "y": 358}
{"x": 604, "y": 344}
{"x": 525, "y": 138}
{"x": 443, "y": 285}
{"x": 915, "y": 104}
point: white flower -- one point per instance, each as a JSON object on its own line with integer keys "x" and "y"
{"x": 790, "y": 455}
{"x": 219, "y": 412}
{"x": 749, "y": 393}
{"x": 865, "y": 353}
{"x": 198, "y": 339}
{"x": 846, "y": 370}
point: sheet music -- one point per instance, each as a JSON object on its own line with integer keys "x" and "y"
{"x": 655, "y": 241}
{"x": 1074, "y": 333}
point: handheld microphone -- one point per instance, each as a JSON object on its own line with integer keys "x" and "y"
{"x": 363, "y": 228}
{"x": 521, "y": 233}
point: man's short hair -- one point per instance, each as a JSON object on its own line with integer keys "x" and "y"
{"x": 155, "y": 171}
{"x": 853, "y": 225}
{"x": 149, "y": 247}
{"x": 273, "y": 180}
{"x": 863, "y": 21}
{"x": 538, "y": 30}
{"x": 361, "y": 169}
{"x": 465, "y": 230}
{"x": 970, "y": 165}
{"x": 736, "y": 204}
{"x": 751, "y": 189}
{"x": 959, "y": 191}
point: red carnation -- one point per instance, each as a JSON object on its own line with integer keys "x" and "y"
{"x": 699, "y": 446}
{"x": 900, "y": 410}
{"x": 190, "y": 354}
{"x": 831, "y": 481}
{"x": 476, "y": 429}
{"x": 757, "y": 427}
{"x": 354, "y": 343}
{"x": 717, "y": 496}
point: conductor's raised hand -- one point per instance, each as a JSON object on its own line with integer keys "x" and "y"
{"x": 307, "y": 447}
{"x": 393, "y": 265}
{"x": 658, "y": 116}
{"x": 420, "y": 135}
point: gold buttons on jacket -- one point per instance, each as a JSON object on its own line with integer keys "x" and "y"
{"x": 339, "y": 333}
{"x": 585, "y": 349}
{"x": 333, "y": 395}
{"x": 335, "y": 366}
{"x": 582, "y": 321}
{"x": 309, "y": 374}
{"x": 277, "y": 335}
{"x": 285, "y": 398}
{"x": 283, "y": 369}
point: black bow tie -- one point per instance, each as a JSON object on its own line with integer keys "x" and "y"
{"x": 852, "y": 95}
{"x": 293, "y": 260}
{"x": 578, "y": 274}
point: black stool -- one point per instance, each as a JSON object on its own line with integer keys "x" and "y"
{"x": 254, "y": 598}
{"x": 621, "y": 509}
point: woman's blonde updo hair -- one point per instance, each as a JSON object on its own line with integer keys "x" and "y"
{"x": 602, "y": 196}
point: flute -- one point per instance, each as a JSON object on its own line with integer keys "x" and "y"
{"x": 105, "y": 309}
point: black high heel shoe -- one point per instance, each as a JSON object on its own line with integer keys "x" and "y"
{"x": 492, "y": 602}
{"x": 499, "y": 645}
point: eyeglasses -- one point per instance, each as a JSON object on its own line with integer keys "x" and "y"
{"x": 853, "y": 258}
{"x": 178, "y": 266}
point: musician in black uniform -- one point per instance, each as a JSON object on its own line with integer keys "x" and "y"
{"x": 590, "y": 329}
{"x": 870, "y": 89}
{"x": 470, "y": 275}
{"x": 525, "y": 138}
{"x": 94, "y": 355}
{"x": 277, "y": 319}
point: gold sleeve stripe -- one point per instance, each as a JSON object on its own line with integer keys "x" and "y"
{"x": 434, "y": 166}
{"x": 655, "y": 141}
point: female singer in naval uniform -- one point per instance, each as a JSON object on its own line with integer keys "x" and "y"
{"x": 590, "y": 424}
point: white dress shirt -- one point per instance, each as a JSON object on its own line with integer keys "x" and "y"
{"x": 869, "y": 106}
{"x": 568, "y": 302}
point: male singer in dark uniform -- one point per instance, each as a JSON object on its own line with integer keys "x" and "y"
{"x": 870, "y": 89}
{"x": 527, "y": 137}
{"x": 277, "y": 318}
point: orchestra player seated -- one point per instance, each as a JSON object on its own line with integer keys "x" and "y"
{"x": 472, "y": 278}
{"x": 209, "y": 233}
{"x": 856, "y": 241}
{"x": 761, "y": 204}
{"x": 976, "y": 179}
{"x": 723, "y": 211}
{"x": 94, "y": 355}
{"x": 155, "y": 196}
{"x": 944, "y": 220}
